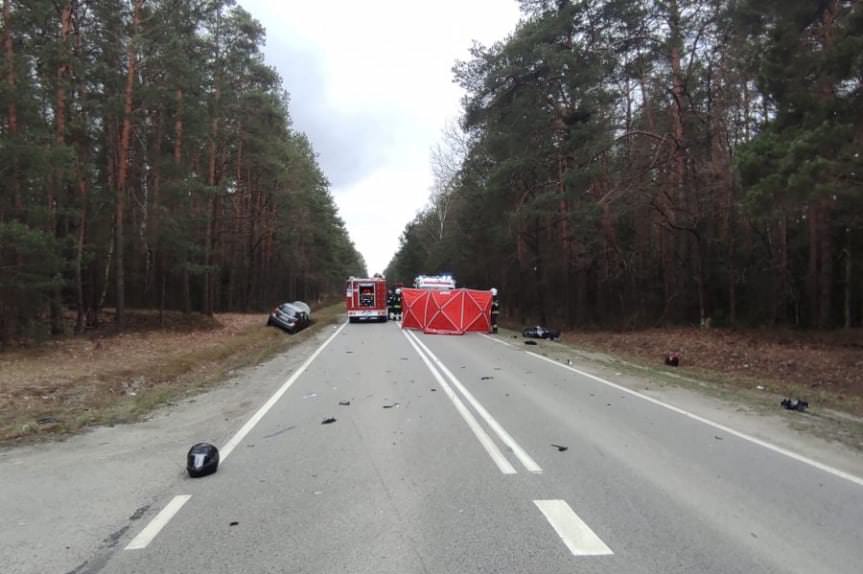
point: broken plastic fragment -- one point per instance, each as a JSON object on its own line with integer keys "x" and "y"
{"x": 344, "y": 403}
{"x": 328, "y": 420}
{"x": 560, "y": 447}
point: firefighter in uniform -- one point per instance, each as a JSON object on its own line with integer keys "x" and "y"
{"x": 495, "y": 309}
{"x": 397, "y": 305}
{"x": 391, "y": 304}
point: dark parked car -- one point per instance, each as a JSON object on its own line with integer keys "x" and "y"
{"x": 289, "y": 317}
{"x": 540, "y": 332}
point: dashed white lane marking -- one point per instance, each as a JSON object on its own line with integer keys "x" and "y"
{"x": 719, "y": 426}
{"x": 504, "y": 436}
{"x": 495, "y": 339}
{"x": 577, "y": 535}
{"x": 158, "y": 523}
{"x": 250, "y": 424}
{"x": 496, "y": 455}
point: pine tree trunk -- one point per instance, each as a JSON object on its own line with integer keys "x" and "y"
{"x": 825, "y": 280}
{"x": 812, "y": 273}
{"x": 123, "y": 166}
{"x": 11, "y": 109}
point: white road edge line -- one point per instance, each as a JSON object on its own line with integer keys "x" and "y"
{"x": 496, "y": 455}
{"x": 577, "y": 535}
{"x": 143, "y": 539}
{"x": 250, "y": 424}
{"x": 504, "y": 436}
{"x": 719, "y": 426}
{"x": 496, "y": 340}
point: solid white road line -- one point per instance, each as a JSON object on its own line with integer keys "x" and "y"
{"x": 496, "y": 455}
{"x": 495, "y": 339}
{"x": 504, "y": 436}
{"x": 159, "y": 521}
{"x": 719, "y": 426}
{"x": 577, "y": 535}
{"x": 250, "y": 424}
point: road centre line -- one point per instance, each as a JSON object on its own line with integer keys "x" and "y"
{"x": 504, "y": 436}
{"x": 256, "y": 418}
{"x": 574, "y": 532}
{"x": 143, "y": 539}
{"x": 719, "y": 426}
{"x": 487, "y": 443}
{"x": 495, "y": 339}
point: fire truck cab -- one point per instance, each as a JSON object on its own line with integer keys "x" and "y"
{"x": 366, "y": 299}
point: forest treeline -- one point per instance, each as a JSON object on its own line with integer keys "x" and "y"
{"x": 147, "y": 160}
{"x": 639, "y": 162}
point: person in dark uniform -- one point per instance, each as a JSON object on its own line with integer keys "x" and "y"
{"x": 495, "y": 309}
{"x": 397, "y": 305}
{"x": 391, "y": 304}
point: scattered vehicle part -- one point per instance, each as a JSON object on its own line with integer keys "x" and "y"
{"x": 672, "y": 359}
{"x": 233, "y": 523}
{"x": 328, "y": 420}
{"x": 795, "y": 404}
{"x": 344, "y": 403}
{"x": 202, "y": 459}
{"x": 560, "y": 447}
{"x": 530, "y": 342}
{"x": 540, "y": 332}
{"x": 486, "y": 378}
{"x": 391, "y": 406}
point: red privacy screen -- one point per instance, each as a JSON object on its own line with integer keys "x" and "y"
{"x": 453, "y": 312}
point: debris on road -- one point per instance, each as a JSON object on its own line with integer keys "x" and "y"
{"x": 310, "y": 396}
{"x": 530, "y": 342}
{"x": 760, "y": 387}
{"x": 234, "y": 523}
{"x": 560, "y": 447}
{"x": 486, "y": 378}
{"x": 672, "y": 359}
{"x": 328, "y": 420}
{"x": 434, "y": 390}
{"x": 282, "y": 431}
{"x": 344, "y": 403}
{"x": 795, "y": 405}
{"x": 202, "y": 459}
{"x": 392, "y": 406}
{"x": 717, "y": 437}
{"x": 47, "y": 420}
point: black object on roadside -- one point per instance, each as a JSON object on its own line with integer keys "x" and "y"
{"x": 540, "y": 332}
{"x": 560, "y": 447}
{"x": 672, "y": 359}
{"x": 234, "y": 523}
{"x": 486, "y": 378}
{"x": 390, "y": 406}
{"x": 530, "y": 342}
{"x": 202, "y": 459}
{"x": 344, "y": 403}
{"x": 795, "y": 404}
{"x": 328, "y": 421}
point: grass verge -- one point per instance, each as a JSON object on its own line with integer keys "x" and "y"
{"x": 61, "y": 387}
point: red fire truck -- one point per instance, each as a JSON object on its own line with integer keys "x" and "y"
{"x": 366, "y": 299}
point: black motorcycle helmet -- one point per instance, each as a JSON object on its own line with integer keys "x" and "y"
{"x": 203, "y": 459}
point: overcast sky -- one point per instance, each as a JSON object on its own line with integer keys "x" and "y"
{"x": 371, "y": 85}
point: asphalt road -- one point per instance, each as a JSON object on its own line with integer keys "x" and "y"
{"x": 444, "y": 462}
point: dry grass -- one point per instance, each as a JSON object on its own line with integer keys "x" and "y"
{"x": 62, "y": 386}
{"x": 826, "y": 368}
